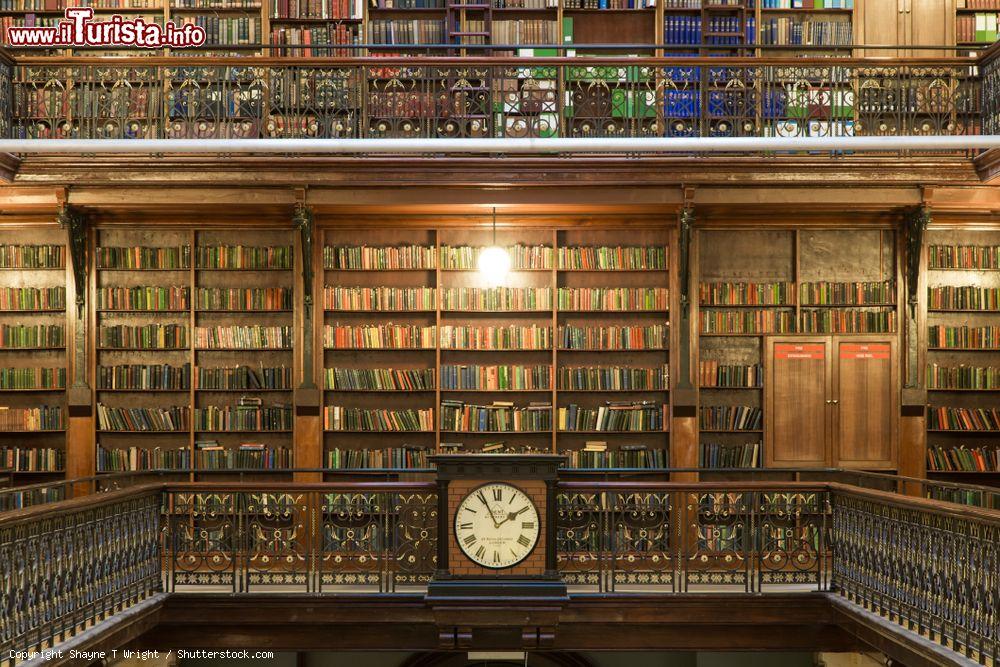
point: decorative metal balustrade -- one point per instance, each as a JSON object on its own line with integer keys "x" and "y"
{"x": 494, "y": 98}
{"x": 930, "y": 567}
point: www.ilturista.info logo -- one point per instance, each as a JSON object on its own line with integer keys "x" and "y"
{"x": 78, "y": 29}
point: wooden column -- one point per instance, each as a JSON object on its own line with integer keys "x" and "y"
{"x": 308, "y": 426}
{"x": 684, "y": 419}
{"x": 913, "y": 402}
{"x": 80, "y": 444}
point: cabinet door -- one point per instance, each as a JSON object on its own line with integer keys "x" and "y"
{"x": 797, "y": 409}
{"x": 880, "y": 22}
{"x": 865, "y": 427}
{"x": 931, "y": 23}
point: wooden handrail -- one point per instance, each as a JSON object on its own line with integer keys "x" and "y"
{"x": 64, "y": 507}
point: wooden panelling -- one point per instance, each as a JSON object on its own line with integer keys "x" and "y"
{"x": 797, "y": 415}
{"x": 866, "y": 382}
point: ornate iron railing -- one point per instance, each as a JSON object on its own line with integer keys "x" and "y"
{"x": 935, "y": 570}
{"x": 932, "y": 568}
{"x": 493, "y": 97}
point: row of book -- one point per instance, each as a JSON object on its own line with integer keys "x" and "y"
{"x": 245, "y": 377}
{"x": 143, "y": 458}
{"x": 681, "y": 4}
{"x": 139, "y": 257}
{"x": 32, "y": 459}
{"x": 317, "y": 9}
{"x": 32, "y": 298}
{"x": 379, "y": 379}
{"x": 206, "y": 257}
{"x": 652, "y": 337}
{"x": 746, "y": 321}
{"x": 466, "y": 258}
{"x": 143, "y": 298}
{"x": 215, "y": 4}
{"x": 247, "y": 455}
{"x": 500, "y": 416}
{"x": 499, "y": 378}
{"x": 578, "y": 258}
{"x": 249, "y": 415}
{"x": 616, "y": 258}
{"x": 166, "y": 419}
{"x": 682, "y": 30}
{"x": 228, "y": 30}
{"x": 596, "y": 455}
{"x": 807, "y": 4}
{"x": 964, "y": 459}
{"x": 32, "y": 256}
{"x": 406, "y": 4}
{"x": 394, "y": 336}
{"x": 791, "y": 31}
{"x": 612, "y": 298}
{"x": 614, "y": 378}
{"x": 526, "y": 31}
{"x": 730, "y": 418}
{"x": 964, "y": 337}
{"x": 963, "y": 298}
{"x": 379, "y": 298}
{"x": 713, "y": 373}
{"x": 380, "y": 336}
{"x": 406, "y": 31}
{"x": 144, "y": 376}
{"x": 254, "y": 337}
{"x": 306, "y": 36}
{"x": 42, "y": 418}
{"x": 720, "y": 455}
{"x": 851, "y": 294}
{"x": 608, "y": 4}
{"x": 962, "y": 377}
{"x": 847, "y": 321}
{"x": 389, "y": 457}
{"x": 963, "y": 419}
{"x": 142, "y": 337}
{"x": 27, "y": 336}
{"x": 496, "y": 338}
{"x": 32, "y": 378}
{"x": 980, "y": 27}
{"x": 242, "y": 299}
{"x": 341, "y": 418}
{"x": 964, "y": 256}
{"x": 496, "y": 298}
{"x": 745, "y": 294}
{"x": 613, "y": 416}
{"x": 379, "y": 258}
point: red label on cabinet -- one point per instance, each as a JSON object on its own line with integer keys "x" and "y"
{"x": 803, "y": 351}
{"x": 864, "y": 351}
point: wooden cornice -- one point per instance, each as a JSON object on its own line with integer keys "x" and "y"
{"x": 523, "y": 172}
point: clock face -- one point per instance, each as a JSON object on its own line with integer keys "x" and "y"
{"x": 496, "y": 525}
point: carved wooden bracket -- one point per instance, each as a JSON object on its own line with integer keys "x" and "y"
{"x": 307, "y": 393}
{"x": 685, "y": 394}
{"x": 75, "y": 222}
{"x": 914, "y": 224}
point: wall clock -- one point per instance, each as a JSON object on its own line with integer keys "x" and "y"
{"x": 497, "y": 525}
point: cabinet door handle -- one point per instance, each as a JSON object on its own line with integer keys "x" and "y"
{"x": 835, "y": 401}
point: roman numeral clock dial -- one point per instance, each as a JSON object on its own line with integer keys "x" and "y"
{"x": 496, "y": 525}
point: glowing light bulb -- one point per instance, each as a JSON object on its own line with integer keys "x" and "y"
{"x": 494, "y": 264}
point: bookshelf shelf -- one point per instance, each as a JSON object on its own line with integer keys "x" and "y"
{"x": 548, "y": 431}
{"x": 376, "y": 432}
{"x": 496, "y": 391}
{"x": 32, "y": 432}
{"x": 715, "y": 430}
{"x": 565, "y": 432}
{"x": 142, "y": 391}
{"x": 381, "y": 391}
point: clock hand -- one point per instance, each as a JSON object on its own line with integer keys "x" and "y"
{"x": 514, "y": 515}
{"x": 489, "y": 509}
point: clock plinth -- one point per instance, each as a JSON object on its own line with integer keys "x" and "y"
{"x": 496, "y": 540}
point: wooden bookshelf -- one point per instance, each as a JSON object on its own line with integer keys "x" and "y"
{"x": 206, "y": 281}
{"x": 445, "y": 354}
{"x": 945, "y": 268}
{"x": 773, "y": 271}
{"x": 34, "y": 455}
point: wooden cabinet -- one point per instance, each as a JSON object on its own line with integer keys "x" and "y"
{"x": 905, "y": 22}
{"x": 831, "y": 400}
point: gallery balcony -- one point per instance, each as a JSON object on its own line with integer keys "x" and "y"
{"x": 847, "y": 561}
{"x": 439, "y": 99}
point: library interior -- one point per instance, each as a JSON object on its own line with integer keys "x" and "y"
{"x": 561, "y": 333}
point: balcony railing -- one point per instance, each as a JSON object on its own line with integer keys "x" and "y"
{"x": 439, "y": 97}
{"x": 932, "y": 568}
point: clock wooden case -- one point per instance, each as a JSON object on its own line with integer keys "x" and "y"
{"x": 486, "y": 546}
